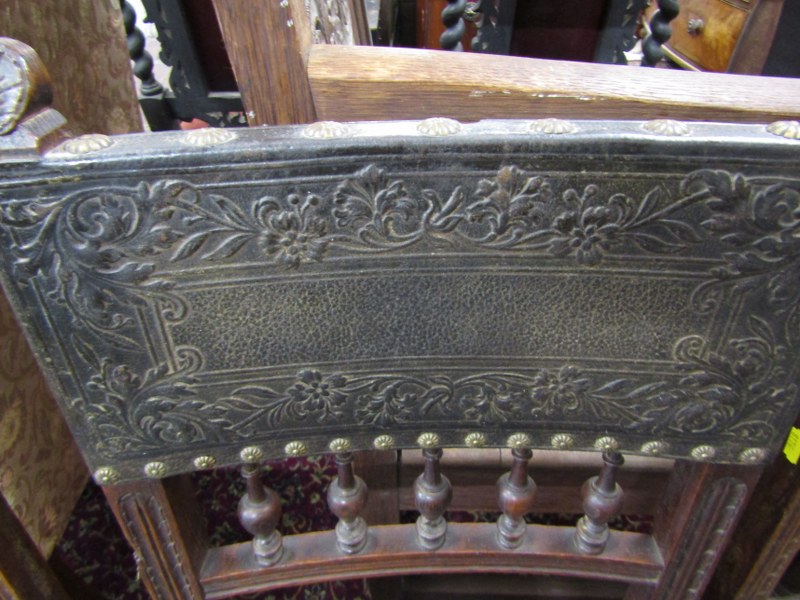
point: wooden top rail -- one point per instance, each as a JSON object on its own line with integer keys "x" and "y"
{"x": 362, "y": 83}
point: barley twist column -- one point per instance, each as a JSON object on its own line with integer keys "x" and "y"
{"x": 660, "y": 32}
{"x": 452, "y": 17}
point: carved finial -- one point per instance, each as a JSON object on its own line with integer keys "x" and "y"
{"x": 24, "y": 83}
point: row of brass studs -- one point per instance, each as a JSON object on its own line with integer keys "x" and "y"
{"x": 559, "y": 441}
{"x": 435, "y": 127}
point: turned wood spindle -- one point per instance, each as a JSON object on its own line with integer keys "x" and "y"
{"x": 515, "y": 495}
{"x": 602, "y": 501}
{"x": 432, "y": 495}
{"x": 259, "y": 513}
{"x": 347, "y": 496}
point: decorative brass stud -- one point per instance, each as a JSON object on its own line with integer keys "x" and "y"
{"x": 439, "y": 126}
{"x": 518, "y": 441}
{"x": 326, "y": 130}
{"x": 339, "y": 445}
{"x": 753, "y": 455}
{"x": 654, "y": 448}
{"x": 552, "y": 126}
{"x": 562, "y": 441}
{"x": 666, "y": 127}
{"x": 251, "y": 454}
{"x": 204, "y": 462}
{"x": 428, "y": 440}
{"x": 606, "y": 444}
{"x": 106, "y": 476}
{"x": 475, "y": 440}
{"x": 155, "y": 469}
{"x": 383, "y": 442}
{"x": 208, "y": 136}
{"x": 704, "y": 452}
{"x": 787, "y": 129}
{"x": 84, "y": 144}
{"x": 295, "y": 448}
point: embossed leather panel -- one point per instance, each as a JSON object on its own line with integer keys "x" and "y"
{"x": 193, "y": 294}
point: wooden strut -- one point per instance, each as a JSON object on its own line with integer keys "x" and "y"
{"x": 259, "y": 513}
{"x": 432, "y": 493}
{"x": 516, "y": 492}
{"x": 347, "y": 496}
{"x": 602, "y": 501}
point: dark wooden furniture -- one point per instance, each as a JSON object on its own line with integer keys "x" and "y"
{"x": 733, "y": 36}
{"x": 214, "y": 297}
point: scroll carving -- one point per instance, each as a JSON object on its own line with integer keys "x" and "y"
{"x": 105, "y": 253}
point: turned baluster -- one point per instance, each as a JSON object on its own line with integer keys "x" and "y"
{"x": 347, "y": 496}
{"x": 432, "y": 495}
{"x": 660, "y": 32}
{"x": 602, "y": 501}
{"x": 516, "y": 492}
{"x": 259, "y": 513}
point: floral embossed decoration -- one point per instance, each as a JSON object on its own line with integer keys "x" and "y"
{"x": 102, "y": 255}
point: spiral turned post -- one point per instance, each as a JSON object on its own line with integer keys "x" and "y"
{"x": 347, "y": 496}
{"x": 432, "y": 495}
{"x": 660, "y": 32}
{"x": 602, "y": 501}
{"x": 516, "y": 492}
{"x": 452, "y": 17}
{"x": 259, "y": 513}
{"x": 142, "y": 61}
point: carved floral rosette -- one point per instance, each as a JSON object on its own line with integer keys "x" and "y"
{"x": 216, "y": 299}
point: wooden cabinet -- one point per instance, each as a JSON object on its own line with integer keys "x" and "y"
{"x": 723, "y": 35}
